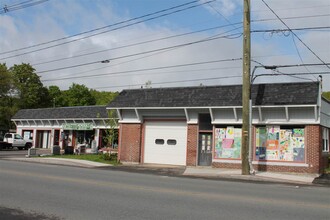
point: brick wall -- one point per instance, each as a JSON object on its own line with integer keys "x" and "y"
{"x": 192, "y": 145}
{"x": 129, "y": 143}
{"x": 313, "y": 146}
{"x": 227, "y": 165}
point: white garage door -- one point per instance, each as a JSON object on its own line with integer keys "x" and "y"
{"x": 165, "y": 142}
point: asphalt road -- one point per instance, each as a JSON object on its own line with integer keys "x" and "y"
{"x": 5, "y": 153}
{"x": 38, "y": 191}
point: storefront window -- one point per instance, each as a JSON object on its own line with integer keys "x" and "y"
{"x": 283, "y": 144}
{"x": 228, "y": 143}
{"x": 84, "y": 137}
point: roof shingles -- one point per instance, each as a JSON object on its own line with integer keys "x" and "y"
{"x": 77, "y": 112}
{"x": 210, "y": 96}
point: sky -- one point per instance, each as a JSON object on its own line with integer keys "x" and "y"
{"x": 111, "y": 45}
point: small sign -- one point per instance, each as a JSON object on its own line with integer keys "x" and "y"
{"x": 77, "y": 126}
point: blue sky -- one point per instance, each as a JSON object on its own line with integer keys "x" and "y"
{"x": 56, "y": 19}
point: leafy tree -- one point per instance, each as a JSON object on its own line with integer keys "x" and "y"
{"x": 102, "y": 97}
{"x": 326, "y": 95}
{"x": 78, "y": 95}
{"x": 5, "y": 81}
{"x": 6, "y": 101}
{"x": 28, "y": 88}
{"x": 56, "y": 96}
{"x": 111, "y": 134}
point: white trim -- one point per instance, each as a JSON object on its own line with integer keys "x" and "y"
{"x": 214, "y": 107}
{"x": 138, "y": 116}
{"x": 59, "y": 119}
{"x": 235, "y": 114}
{"x": 287, "y": 114}
{"x": 316, "y": 113}
{"x": 129, "y": 122}
{"x": 227, "y": 161}
{"x": 268, "y": 163}
{"x": 119, "y": 115}
{"x": 260, "y": 113}
{"x": 288, "y": 123}
{"x": 186, "y": 113}
{"x": 211, "y": 114}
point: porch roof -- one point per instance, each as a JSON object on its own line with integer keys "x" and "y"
{"x": 76, "y": 112}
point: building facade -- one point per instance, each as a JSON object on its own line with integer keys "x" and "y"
{"x": 202, "y": 126}
{"x": 66, "y": 127}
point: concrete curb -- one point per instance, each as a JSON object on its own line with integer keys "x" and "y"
{"x": 62, "y": 161}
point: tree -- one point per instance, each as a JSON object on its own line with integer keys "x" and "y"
{"x": 326, "y": 95}
{"x": 5, "y": 81}
{"x": 6, "y": 106}
{"x": 56, "y": 96}
{"x": 28, "y": 89}
{"x": 103, "y": 98}
{"x": 78, "y": 95}
{"x": 112, "y": 131}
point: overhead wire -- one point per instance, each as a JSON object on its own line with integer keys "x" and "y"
{"x": 135, "y": 44}
{"x": 294, "y": 34}
{"x": 175, "y": 81}
{"x": 166, "y": 48}
{"x": 106, "y": 31}
{"x": 9, "y": 8}
{"x": 140, "y": 53}
{"x": 169, "y": 37}
{"x": 146, "y": 69}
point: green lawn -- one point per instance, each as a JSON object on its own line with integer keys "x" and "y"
{"x": 101, "y": 158}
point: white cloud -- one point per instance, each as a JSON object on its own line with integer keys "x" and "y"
{"x": 63, "y": 18}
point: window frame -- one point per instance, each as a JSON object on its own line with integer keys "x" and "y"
{"x": 325, "y": 140}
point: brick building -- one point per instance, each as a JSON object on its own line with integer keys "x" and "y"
{"x": 201, "y": 126}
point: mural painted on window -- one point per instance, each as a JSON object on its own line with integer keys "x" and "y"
{"x": 274, "y": 143}
{"x": 228, "y": 142}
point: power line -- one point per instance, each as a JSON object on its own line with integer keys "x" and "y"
{"x": 174, "y": 36}
{"x": 176, "y": 81}
{"x": 22, "y": 5}
{"x": 295, "y": 34}
{"x": 106, "y": 31}
{"x": 135, "y": 44}
{"x": 289, "y": 18}
{"x": 136, "y": 54}
{"x": 169, "y": 37}
{"x": 135, "y": 73}
{"x": 146, "y": 69}
{"x": 291, "y": 29}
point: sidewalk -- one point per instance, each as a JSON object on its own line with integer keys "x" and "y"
{"x": 295, "y": 178}
{"x": 61, "y": 161}
{"x": 199, "y": 172}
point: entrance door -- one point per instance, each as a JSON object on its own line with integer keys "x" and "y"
{"x": 205, "y": 149}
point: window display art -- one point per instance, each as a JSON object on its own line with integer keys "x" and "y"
{"x": 273, "y": 143}
{"x": 228, "y": 143}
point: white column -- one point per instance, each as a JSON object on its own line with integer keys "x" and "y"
{"x": 96, "y": 136}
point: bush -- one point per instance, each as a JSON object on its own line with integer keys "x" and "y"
{"x": 109, "y": 157}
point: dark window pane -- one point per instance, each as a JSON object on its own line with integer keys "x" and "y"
{"x": 171, "y": 142}
{"x": 159, "y": 141}
{"x": 204, "y": 121}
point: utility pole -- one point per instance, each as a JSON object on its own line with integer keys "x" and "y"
{"x": 246, "y": 89}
